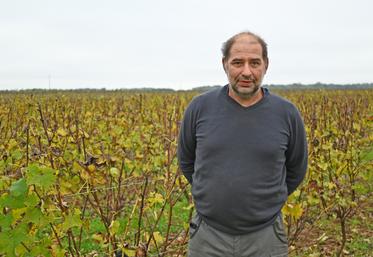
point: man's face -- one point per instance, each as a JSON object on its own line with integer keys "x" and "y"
{"x": 245, "y": 67}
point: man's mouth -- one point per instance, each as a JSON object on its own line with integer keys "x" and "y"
{"x": 246, "y": 82}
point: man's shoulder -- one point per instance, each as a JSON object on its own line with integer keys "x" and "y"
{"x": 207, "y": 97}
{"x": 283, "y": 106}
{"x": 214, "y": 92}
{"x": 281, "y": 102}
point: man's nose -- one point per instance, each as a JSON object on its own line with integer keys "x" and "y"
{"x": 246, "y": 70}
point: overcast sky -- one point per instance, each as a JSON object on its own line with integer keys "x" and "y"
{"x": 176, "y": 44}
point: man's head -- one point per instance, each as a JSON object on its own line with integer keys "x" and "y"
{"x": 245, "y": 61}
{"x": 227, "y": 45}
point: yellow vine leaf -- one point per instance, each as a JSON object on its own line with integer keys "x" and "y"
{"x": 61, "y": 132}
{"x": 114, "y": 227}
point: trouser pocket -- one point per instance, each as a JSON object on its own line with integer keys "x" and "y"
{"x": 279, "y": 230}
{"x": 194, "y": 225}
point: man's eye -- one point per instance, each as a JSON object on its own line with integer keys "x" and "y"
{"x": 237, "y": 63}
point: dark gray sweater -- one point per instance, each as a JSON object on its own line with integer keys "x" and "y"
{"x": 242, "y": 162}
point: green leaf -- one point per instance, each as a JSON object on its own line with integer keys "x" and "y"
{"x": 17, "y": 155}
{"x": 13, "y": 202}
{"x": 12, "y": 144}
{"x": 19, "y": 188}
{"x": 72, "y": 220}
{"x": 19, "y": 234}
{"x": 4, "y": 182}
{"x": 114, "y": 227}
{"x": 33, "y": 215}
{"x": 114, "y": 172}
{"x": 368, "y": 156}
{"x": 9, "y": 240}
{"x": 5, "y": 246}
{"x": 40, "y": 251}
{"x": 32, "y": 200}
{"x": 6, "y": 221}
{"x": 2, "y": 165}
{"x": 43, "y": 177}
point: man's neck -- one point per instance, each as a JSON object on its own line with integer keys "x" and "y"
{"x": 246, "y": 102}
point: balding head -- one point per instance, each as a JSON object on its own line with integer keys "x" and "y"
{"x": 226, "y": 48}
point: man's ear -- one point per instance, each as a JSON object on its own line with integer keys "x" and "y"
{"x": 267, "y": 64}
{"x": 223, "y": 62}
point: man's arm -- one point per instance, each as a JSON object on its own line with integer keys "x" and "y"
{"x": 296, "y": 154}
{"x": 187, "y": 143}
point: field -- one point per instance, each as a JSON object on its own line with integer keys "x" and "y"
{"x": 88, "y": 173}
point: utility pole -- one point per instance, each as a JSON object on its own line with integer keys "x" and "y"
{"x": 49, "y": 81}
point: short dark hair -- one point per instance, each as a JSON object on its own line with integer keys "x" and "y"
{"x": 227, "y": 45}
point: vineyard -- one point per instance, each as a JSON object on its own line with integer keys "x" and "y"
{"x": 92, "y": 173}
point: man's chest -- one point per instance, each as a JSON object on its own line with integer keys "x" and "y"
{"x": 263, "y": 135}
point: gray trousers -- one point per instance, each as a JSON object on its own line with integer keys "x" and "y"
{"x": 205, "y": 241}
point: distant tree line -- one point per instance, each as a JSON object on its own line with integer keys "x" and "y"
{"x": 317, "y": 85}
{"x": 304, "y": 86}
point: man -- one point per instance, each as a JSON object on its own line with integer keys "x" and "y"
{"x": 243, "y": 150}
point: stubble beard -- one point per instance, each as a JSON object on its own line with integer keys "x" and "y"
{"x": 245, "y": 94}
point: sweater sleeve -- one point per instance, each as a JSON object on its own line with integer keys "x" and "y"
{"x": 296, "y": 154}
{"x": 187, "y": 143}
